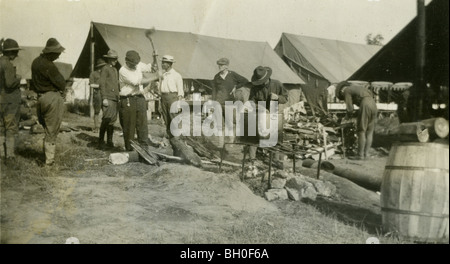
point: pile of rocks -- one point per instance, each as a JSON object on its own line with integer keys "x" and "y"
{"x": 298, "y": 187}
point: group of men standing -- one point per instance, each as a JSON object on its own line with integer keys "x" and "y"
{"x": 120, "y": 93}
{"x": 116, "y": 93}
{"x": 50, "y": 87}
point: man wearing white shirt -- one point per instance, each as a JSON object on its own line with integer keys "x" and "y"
{"x": 171, "y": 90}
{"x": 133, "y": 106}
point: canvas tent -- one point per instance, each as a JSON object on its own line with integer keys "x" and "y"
{"x": 396, "y": 61}
{"x": 321, "y": 62}
{"x": 25, "y": 59}
{"x": 195, "y": 55}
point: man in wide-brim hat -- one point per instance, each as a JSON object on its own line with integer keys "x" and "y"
{"x": 50, "y": 86}
{"x": 265, "y": 89}
{"x": 53, "y": 46}
{"x": 109, "y": 90}
{"x": 94, "y": 83}
{"x": 10, "y": 99}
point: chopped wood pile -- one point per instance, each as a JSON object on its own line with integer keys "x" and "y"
{"x": 312, "y": 135}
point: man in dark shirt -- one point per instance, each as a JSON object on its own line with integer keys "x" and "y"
{"x": 224, "y": 84}
{"x": 367, "y": 114}
{"x": 109, "y": 89}
{"x": 10, "y": 100}
{"x": 263, "y": 88}
{"x": 94, "y": 83}
{"x": 50, "y": 87}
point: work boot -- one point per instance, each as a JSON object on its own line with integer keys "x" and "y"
{"x": 49, "y": 150}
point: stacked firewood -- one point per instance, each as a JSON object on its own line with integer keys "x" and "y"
{"x": 313, "y": 135}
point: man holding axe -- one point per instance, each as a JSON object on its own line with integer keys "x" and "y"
{"x": 170, "y": 83}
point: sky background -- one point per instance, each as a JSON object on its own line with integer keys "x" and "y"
{"x": 32, "y": 22}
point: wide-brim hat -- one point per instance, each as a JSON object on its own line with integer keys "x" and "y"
{"x": 168, "y": 58}
{"x": 9, "y": 45}
{"x": 132, "y": 57}
{"x": 53, "y": 46}
{"x": 112, "y": 54}
{"x": 339, "y": 88}
{"x": 223, "y": 61}
{"x": 261, "y": 74}
{"x": 100, "y": 63}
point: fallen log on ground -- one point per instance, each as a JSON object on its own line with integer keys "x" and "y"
{"x": 186, "y": 152}
{"x": 225, "y": 162}
{"x": 149, "y": 157}
{"x": 199, "y": 148}
{"x": 366, "y": 180}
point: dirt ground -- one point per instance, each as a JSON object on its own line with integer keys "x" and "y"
{"x": 86, "y": 197}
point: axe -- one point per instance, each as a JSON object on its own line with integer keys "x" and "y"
{"x": 148, "y": 34}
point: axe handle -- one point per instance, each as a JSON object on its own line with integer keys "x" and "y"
{"x": 155, "y": 59}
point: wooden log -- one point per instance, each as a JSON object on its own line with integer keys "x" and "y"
{"x": 366, "y": 180}
{"x": 215, "y": 161}
{"x": 200, "y": 149}
{"x": 437, "y": 126}
{"x": 149, "y": 157}
{"x": 185, "y": 151}
{"x": 309, "y": 163}
{"x": 425, "y": 130}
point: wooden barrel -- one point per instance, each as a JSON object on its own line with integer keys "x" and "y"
{"x": 415, "y": 192}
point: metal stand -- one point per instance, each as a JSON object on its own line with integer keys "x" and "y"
{"x": 271, "y": 152}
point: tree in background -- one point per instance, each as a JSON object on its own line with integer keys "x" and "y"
{"x": 374, "y": 40}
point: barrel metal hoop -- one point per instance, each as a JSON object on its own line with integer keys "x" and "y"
{"x": 390, "y": 167}
{"x": 394, "y": 210}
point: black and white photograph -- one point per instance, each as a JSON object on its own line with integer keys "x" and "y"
{"x": 239, "y": 123}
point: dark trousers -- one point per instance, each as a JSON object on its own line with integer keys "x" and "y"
{"x": 97, "y": 101}
{"x": 167, "y": 99}
{"x": 108, "y": 119}
{"x": 133, "y": 119}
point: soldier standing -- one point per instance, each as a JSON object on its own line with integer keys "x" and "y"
{"x": 109, "y": 89}
{"x": 50, "y": 86}
{"x": 10, "y": 99}
{"x": 94, "y": 83}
